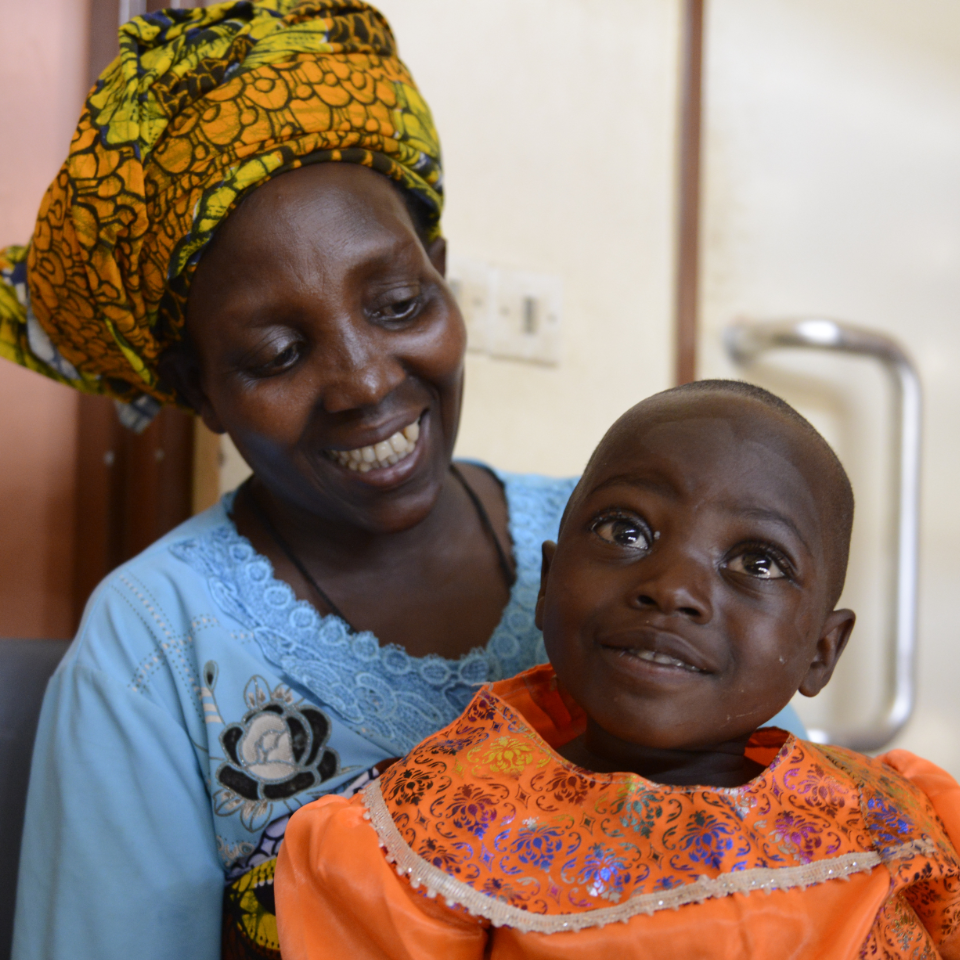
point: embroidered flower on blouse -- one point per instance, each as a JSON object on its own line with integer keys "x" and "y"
{"x": 567, "y": 786}
{"x": 638, "y": 810}
{"x": 409, "y": 786}
{"x": 706, "y": 839}
{"x": 438, "y": 855}
{"x": 817, "y": 788}
{"x": 276, "y": 751}
{"x": 886, "y": 821}
{"x": 472, "y": 809}
{"x": 508, "y": 755}
{"x": 537, "y": 845}
{"x": 797, "y": 835}
{"x": 604, "y": 873}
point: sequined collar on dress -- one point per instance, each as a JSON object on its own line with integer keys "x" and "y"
{"x": 488, "y": 815}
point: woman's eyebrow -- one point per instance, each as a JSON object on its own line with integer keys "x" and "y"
{"x": 400, "y": 253}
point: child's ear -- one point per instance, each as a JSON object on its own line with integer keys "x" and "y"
{"x": 549, "y": 549}
{"x": 833, "y": 638}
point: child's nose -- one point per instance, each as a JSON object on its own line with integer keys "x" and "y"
{"x": 677, "y": 584}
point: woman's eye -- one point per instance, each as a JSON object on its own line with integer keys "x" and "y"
{"x": 623, "y": 531}
{"x": 281, "y": 361}
{"x": 756, "y": 564}
{"x": 400, "y": 309}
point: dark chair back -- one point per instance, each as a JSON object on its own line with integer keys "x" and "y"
{"x": 25, "y": 667}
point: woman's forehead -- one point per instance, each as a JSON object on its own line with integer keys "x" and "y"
{"x": 320, "y": 194}
{"x": 326, "y": 220}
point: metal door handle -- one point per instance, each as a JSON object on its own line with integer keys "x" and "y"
{"x": 744, "y": 341}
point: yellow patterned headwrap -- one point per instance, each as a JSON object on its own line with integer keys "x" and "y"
{"x": 200, "y": 106}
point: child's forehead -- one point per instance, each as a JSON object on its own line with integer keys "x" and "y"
{"x": 721, "y": 448}
{"x": 696, "y": 430}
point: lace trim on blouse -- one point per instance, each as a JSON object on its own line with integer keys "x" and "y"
{"x": 383, "y": 693}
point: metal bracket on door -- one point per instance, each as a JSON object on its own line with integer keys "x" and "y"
{"x": 745, "y": 341}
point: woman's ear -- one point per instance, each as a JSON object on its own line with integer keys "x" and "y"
{"x": 180, "y": 367}
{"x": 437, "y": 252}
{"x": 549, "y": 549}
{"x": 833, "y": 638}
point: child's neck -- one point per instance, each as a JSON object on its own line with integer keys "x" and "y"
{"x": 719, "y": 765}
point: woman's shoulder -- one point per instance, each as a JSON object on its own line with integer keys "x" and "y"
{"x": 156, "y": 598}
{"x": 533, "y": 499}
{"x": 551, "y": 491}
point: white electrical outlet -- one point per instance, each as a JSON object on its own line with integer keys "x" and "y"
{"x": 524, "y": 323}
{"x": 473, "y": 283}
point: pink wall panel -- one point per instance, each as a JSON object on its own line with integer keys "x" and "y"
{"x": 43, "y": 50}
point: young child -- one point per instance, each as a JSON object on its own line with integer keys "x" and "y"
{"x": 625, "y": 801}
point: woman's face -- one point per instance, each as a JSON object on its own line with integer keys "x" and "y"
{"x": 330, "y": 347}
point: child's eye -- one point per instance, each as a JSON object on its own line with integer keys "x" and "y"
{"x": 756, "y": 563}
{"x": 629, "y": 532}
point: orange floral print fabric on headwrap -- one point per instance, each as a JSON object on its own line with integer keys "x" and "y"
{"x": 200, "y": 107}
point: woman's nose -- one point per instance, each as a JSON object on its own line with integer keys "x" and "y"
{"x": 675, "y": 583}
{"x": 357, "y": 368}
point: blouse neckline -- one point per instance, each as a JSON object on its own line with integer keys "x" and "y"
{"x": 379, "y": 690}
{"x": 227, "y": 501}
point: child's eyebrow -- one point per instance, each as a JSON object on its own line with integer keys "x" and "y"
{"x": 770, "y": 516}
{"x": 661, "y": 487}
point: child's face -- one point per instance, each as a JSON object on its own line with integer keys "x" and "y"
{"x": 688, "y": 597}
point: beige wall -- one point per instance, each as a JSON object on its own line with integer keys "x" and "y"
{"x": 557, "y": 123}
{"x": 42, "y": 71}
{"x": 833, "y": 146}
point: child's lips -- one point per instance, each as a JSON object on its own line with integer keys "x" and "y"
{"x": 660, "y": 649}
{"x": 652, "y": 656}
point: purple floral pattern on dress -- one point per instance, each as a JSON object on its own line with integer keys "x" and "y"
{"x": 488, "y": 802}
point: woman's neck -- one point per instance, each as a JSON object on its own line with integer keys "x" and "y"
{"x": 436, "y": 587}
{"x": 334, "y": 543}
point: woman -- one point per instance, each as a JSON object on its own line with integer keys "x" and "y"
{"x": 347, "y": 600}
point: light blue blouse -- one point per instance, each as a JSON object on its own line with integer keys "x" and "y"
{"x": 201, "y": 702}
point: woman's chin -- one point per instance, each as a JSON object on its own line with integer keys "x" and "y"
{"x": 388, "y": 500}
{"x": 393, "y": 511}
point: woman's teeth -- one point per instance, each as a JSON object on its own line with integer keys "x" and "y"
{"x": 383, "y": 454}
{"x": 661, "y": 658}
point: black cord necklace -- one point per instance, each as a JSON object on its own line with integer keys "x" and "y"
{"x": 503, "y": 560}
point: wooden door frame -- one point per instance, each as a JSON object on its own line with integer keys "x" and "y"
{"x": 689, "y": 154}
{"x": 130, "y": 488}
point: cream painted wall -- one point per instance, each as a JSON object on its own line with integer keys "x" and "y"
{"x": 557, "y": 123}
{"x": 832, "y": 155}
{"x": 42, "y": 70}
{"x": 832, "y": 151}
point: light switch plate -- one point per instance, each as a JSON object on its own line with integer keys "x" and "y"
{"x": 524, "y": 323}
{"x": 473, "y": 283}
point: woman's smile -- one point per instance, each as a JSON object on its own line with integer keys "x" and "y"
{"x": 364, "y": 399}
{"x": 379, "y": 455}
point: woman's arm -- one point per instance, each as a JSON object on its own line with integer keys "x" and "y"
{"x": 338, "y": 897}
{"x": 119, "y": 857}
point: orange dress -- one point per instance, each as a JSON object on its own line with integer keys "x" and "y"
{"x": 484, "y": 842}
